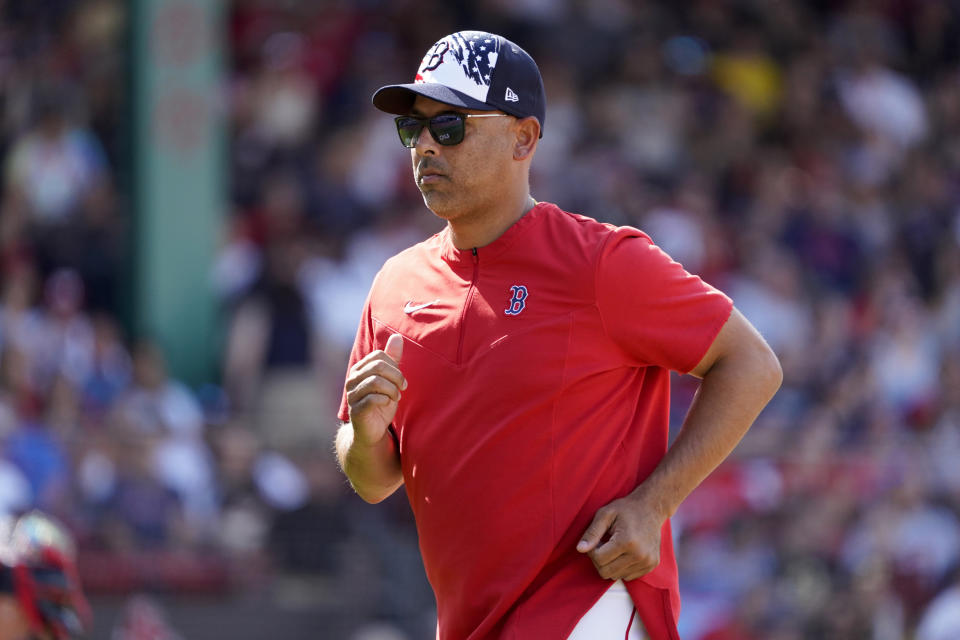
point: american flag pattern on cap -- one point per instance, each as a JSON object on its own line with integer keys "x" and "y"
{"x": 463, "y": 61}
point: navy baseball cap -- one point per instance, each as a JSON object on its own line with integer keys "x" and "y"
{"x": 473, "y": 70}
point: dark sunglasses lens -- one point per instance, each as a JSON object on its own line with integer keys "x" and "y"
{"x": 447, "y": 128}
{"x": 409, "y": 130}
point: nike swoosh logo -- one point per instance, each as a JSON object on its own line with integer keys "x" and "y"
{"x": 412, "y": 308}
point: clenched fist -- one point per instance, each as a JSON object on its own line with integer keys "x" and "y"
{"x": 373, "y": 390}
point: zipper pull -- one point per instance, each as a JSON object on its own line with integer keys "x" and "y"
{"x": 476, "y": 255}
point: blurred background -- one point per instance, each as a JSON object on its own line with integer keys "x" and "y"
{"x": 196, "y": 195}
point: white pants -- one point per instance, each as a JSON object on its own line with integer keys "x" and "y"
{"x": 610, "y": 618}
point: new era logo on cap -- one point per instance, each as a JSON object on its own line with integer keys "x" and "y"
{"x": 511, "y": 96}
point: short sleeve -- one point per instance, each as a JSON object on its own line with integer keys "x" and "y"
{"x": 363, "y": 344}
{"x": 652, "y": 308}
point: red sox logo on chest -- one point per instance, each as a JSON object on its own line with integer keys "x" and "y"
{"x": 518, "y": 300}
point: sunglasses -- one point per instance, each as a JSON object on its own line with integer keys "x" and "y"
{"x": 446, "y": 128}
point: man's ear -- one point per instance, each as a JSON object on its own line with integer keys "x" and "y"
{"x": 528, "y": 133}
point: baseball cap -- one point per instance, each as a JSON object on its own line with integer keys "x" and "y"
{"x": 473, "y": 70}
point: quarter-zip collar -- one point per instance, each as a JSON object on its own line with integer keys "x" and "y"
{"x": 464, "y": 257}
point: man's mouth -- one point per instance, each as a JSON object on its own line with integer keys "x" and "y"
{"x": 429, "y": 175}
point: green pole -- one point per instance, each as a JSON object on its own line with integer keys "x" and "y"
{"x": 178, "y": 185}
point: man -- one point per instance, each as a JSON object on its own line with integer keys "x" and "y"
{"x": 513, "y": 373}
{"x": 40, "y": 596}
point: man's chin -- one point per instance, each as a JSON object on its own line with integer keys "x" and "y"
{"x": 440, "y": 204}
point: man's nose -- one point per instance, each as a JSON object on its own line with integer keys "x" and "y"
{"x": 425, "y": 144}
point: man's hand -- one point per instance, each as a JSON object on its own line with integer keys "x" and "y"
{"x": 366, "y": 452}
{"x": 373, "y": 390}
{"x": 623, "y": 541}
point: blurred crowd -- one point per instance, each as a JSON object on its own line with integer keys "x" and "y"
{"x": 804, "y": 157}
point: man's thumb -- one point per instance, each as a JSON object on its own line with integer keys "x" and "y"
{"x": 394, "y": 347}
{"x": 594, "y": 533}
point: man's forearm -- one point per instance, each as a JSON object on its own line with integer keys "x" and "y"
{"x": 374, "y": 471}
{"x": 731, "y": 396}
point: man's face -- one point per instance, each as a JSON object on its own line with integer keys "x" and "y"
{"x": 461, "y": 179}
